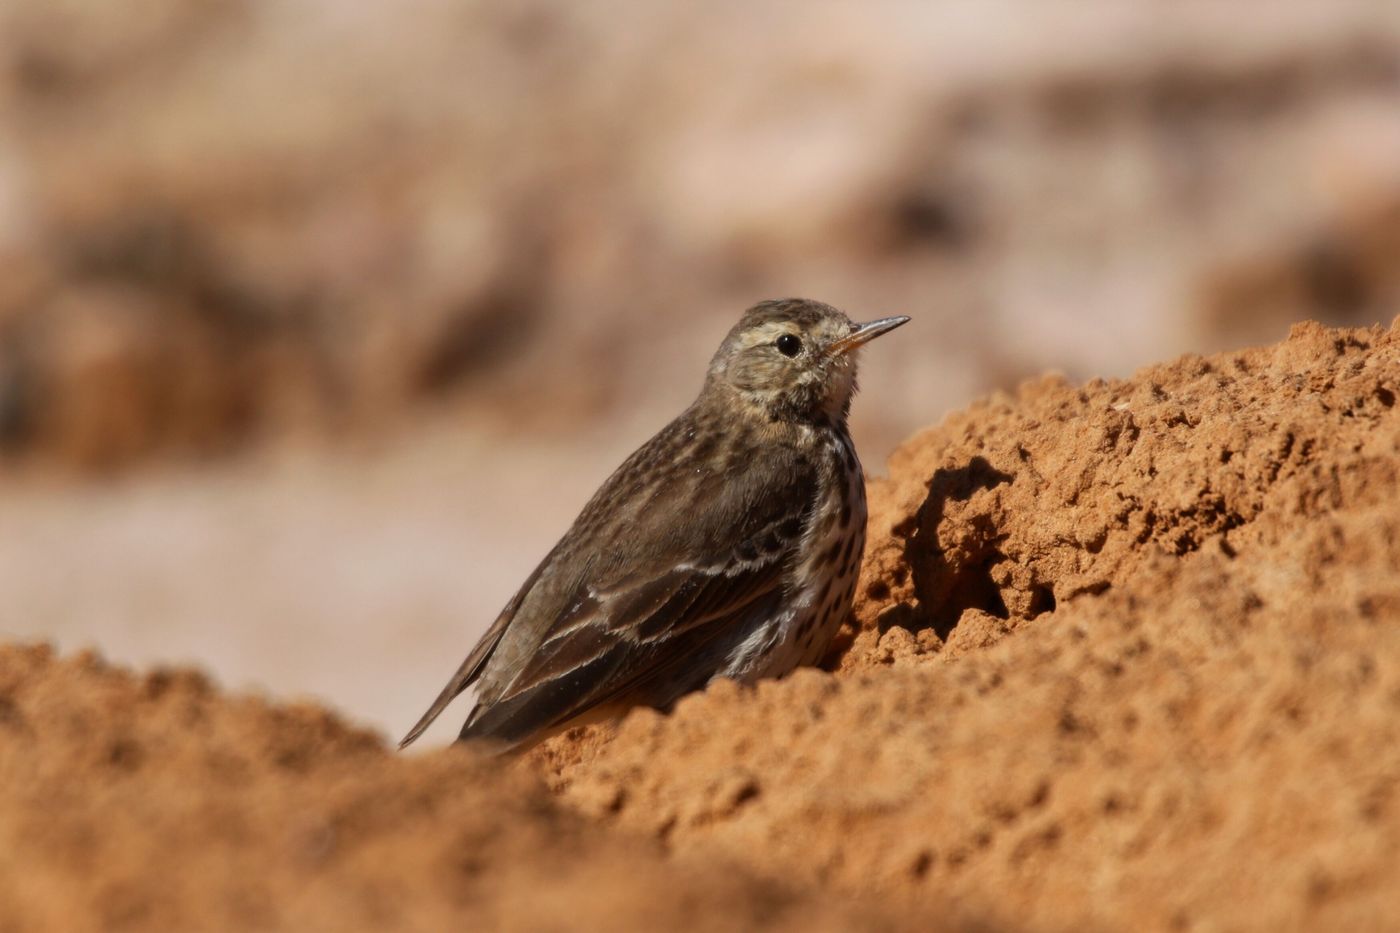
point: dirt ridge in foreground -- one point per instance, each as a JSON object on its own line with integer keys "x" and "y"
{"x": 1125, "y": 655}
{"x": 158, "y": 802}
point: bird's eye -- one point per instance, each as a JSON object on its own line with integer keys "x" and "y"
{"x": 789, "y": 345}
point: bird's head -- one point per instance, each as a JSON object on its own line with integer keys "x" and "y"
{"x": 794, "y": 359}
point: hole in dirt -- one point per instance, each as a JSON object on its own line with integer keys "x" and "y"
{"x": 945, "y": 591}
{"x": 972, "y": 588}
{"x": 1042, "y": 600}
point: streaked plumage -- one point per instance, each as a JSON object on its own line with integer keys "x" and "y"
{"x": 727, "y": 546}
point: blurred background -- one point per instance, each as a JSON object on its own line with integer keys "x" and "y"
{"x": 319, "y": 321}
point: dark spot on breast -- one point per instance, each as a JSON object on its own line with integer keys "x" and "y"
{"x": 747, "y": 551}
{"x": 848, "y": 552}
{"x": 845, "y": 512}
{"x": 830, "y": 554}
{"x": 772, "y": 544}
{"x": 790, "y": 528}
{"x": 703, "y": 444}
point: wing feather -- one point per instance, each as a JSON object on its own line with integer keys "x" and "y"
{"x": 639, "y": 631}
{"x": 602, "y": 664}
{"x": 668, "y": 555}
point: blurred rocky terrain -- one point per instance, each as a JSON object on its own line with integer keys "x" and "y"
{"x": 228, "y": 220}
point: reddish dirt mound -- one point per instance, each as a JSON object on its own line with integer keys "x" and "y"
{"x": 1126, "y": 656}
{"x": 158, "y": 804}
{"x": 1196, "y": 721}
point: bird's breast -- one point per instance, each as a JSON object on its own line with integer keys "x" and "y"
{"x": 820, "y": 584}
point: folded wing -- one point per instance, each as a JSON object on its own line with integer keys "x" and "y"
{"x": 637, "y": 593}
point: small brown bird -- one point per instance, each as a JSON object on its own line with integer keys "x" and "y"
{"x": 727, "y": 546}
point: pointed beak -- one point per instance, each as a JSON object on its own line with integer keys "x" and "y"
{"x": 864, "y": 333}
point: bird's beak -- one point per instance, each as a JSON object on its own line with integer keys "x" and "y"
{"x": 864, "y": 333}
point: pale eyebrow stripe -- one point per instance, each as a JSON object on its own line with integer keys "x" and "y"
{"x": 769, "y": 332}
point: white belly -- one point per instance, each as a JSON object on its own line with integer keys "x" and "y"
{"x": 821, "y": 586}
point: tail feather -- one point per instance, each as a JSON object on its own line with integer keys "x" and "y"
{"x": 474, "y": 664}
{"x": 459, "y": 682}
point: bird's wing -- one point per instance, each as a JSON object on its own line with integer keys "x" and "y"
{"x": 667, "y": 552}
{"x": 617, "y": 639}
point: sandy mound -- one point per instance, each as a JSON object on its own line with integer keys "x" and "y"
{"x": 157, "y": 803}
{"x": 1125, "y": 655}
{"x": 1196, "y": 720}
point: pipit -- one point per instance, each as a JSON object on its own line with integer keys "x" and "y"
{"x": 728, "y": 545}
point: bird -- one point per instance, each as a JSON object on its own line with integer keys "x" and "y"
{"x": 726, "y": 546}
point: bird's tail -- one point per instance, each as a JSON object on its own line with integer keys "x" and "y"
{"x": 471, "y": 668}
{"x": 454, "y": 687}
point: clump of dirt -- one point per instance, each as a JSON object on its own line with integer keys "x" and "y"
{"x": 1024, "y": 503}
{"x": 159, "y": 803}
{"x": 1196, "y": 719}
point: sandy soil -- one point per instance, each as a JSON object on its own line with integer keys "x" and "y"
{"x": 153, "y": 802}
{"x": 1125, "y": 656}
